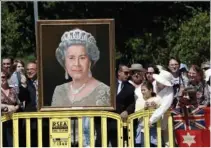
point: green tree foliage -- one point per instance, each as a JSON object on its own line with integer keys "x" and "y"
{"x": 184, "y": 36}
{"x": 193, "y": 42}
{"x": 18, "y": 38}
{"x": 144, "y": 32}
{"x": 10, "y": 34}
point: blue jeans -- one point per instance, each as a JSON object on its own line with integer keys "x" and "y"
{"x": 140, "y": 137}
{"x": 86, "y": 131}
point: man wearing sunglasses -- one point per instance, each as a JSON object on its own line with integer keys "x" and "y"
{"x": 137, "y": 74}
{"x": 125, "y": 92}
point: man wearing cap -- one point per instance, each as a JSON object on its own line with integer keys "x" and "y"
{"x": 164, "y": 89}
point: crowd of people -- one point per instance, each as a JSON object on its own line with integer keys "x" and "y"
{"x": 19, "y": 91}
{"x": 162, "y": 88}
{"x": 138, "y": 88}
{"x": 18, "y": 84}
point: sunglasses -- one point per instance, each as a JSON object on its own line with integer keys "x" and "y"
{"x": 174, "y": 64}
{"x": 6, "y": 63}
{"x": 151, "y": 73}
{"x": 126, "y": 72}
{"x": 31, "y": 69}
{"x": 3, "y": 77}
{"x": 136, "y": 73}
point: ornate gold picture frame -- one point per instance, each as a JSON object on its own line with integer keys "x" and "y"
{"x": 50, "y": 72}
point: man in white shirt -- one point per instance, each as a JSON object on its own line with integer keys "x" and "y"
{"x": 164, "y": 89}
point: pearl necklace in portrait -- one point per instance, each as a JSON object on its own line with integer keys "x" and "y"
{"x": 76, "y": 91}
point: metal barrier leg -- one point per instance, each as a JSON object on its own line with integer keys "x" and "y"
{"x": 170, "y": 130}
{"x": 104, "y": 131}
{"x": 15, "y": 132}
{"x": 146, "y": 132}
{"x": 80, "y": 132}
{"x": 120, "y": 134}
{"x": 70, "y": 135}
{"x": 130, "y": 134}
{"x": 92, "y": 132}
{"x": 159, "y": 138}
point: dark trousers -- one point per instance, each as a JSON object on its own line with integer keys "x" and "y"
{"x": 7, "y": 134}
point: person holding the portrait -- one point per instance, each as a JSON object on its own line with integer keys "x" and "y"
{"x": 77, "y": 54}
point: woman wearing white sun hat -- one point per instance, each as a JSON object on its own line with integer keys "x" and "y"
{"x": 207, "y": 79}
{"x": 207, "y": 74}
{"x": 164, "y": 89}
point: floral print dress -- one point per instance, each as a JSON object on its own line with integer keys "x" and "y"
{"x": 11, "y": 99}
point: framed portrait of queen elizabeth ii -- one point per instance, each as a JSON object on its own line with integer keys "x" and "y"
{"x": 76, "y": 64}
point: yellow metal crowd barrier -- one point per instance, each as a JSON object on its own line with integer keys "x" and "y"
{"x": 64, "y": 116}
{"x": 145, "y": 115}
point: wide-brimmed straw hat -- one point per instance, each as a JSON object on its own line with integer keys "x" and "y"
{"x": 164, "y": 77}
{"x": 137, "y": 67}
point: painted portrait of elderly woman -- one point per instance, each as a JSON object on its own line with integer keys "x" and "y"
{"x": 76, "y": 64}
{"x": 77, "y": 54}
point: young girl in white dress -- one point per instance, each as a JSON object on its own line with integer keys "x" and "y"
{"x": 146, "y": 99}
